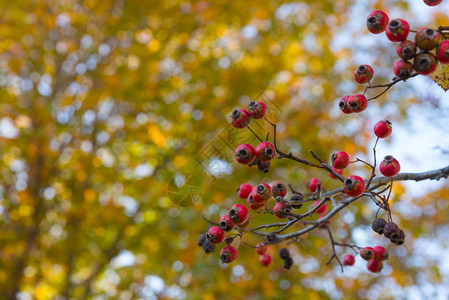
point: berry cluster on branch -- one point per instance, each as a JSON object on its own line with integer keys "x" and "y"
{"x": 303, "y": 212}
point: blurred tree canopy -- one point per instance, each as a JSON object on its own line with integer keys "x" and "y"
{"x": 107, "y": 107}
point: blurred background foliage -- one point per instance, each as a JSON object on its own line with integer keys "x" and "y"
{"x": 108, "y": 107}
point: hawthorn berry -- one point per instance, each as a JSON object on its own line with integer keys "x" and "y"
{"x": 226, "y": 223}
{"x": 348, "y": 260}
{"x": 278, "y": 189}
{"x": 265, "y": 151}
{"x": 354, "y": 186}
{"x": 239, "y": 214}
{"x": 228, "y": 254}
{"x": 383, "y": 129}
{"x": 425, "y": 63}
{"x": 284, "y": 253}
{"x": 322, "y": 208}
{"x": 215, "y": 235}
{"x": 261, "y": 248}
{"x": 391, "y": 230}
{"x": 245, "y": 154}
{"x": 265, "y": 260}
{"x": 296, "y": 201}
{"x": 367, "y": 253}
{"x": 380, "y": 253}
{"x": 406, "y": 49}
{"x": 340, "y": 159}
{"x": 312, "y": 184}
{"x": 432, "y": 2}
{"x": 288, "y": 262}
{"x": 403, "y": 69}
{"x": 377, "y": 21}
{"x": 357, "y": 103}
{"x": 443, "y": 52}
{"x": 389, "y": 166}
{"x": 427, "y": 38}
{"x": 343, "y": 105}
{"x": 201, "y": 239}
{"x": 208, "y": 247}
{"x": 240, "y": 118}
{"x": 257, "y": 109}
{"x": 254, "y": 205}
{"x": 244, "y": 190}
{"x": 378, "y": 225}
{"x": 281, "y": 209}
{"x": 364, "y": 74}
{"x": 375, "y": 266}
{"x": 261, "y": 193}
{"x": 397, "y": 30}
{"x": 400, "y": 239}
{"x": 338, "y": 171}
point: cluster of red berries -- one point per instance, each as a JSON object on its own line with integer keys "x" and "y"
{"x": 420, "y": 50}
{"x": 264, "y": 258}
{"x": 374, "y": 256}
{"x": 390, "y": 230}
{"x": 426, "y": 39}
{"x": 261, "y": 156}
{"x": 240, "y": 118}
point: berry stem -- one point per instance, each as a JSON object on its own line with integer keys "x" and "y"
{"x": 333, "y": 248}
{"x": 327, "y": 167}
{"x": 387, "y": 86}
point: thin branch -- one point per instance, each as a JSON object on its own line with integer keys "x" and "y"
{"x": 333, "y": 248}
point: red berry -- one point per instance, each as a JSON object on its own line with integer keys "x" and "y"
{"x": 397, "y": 30}
{"x": 403, "y": 69}
{"x": 322, "y": 208}
{"x": 432, "y": 2}
{"x": 340, "y": 160}
{"x": 245, "y": 154}
{"x": 427, "y": 38}
{"x": 339, "y": 171}
{"x": 215, "y": 235}
{"x": 261, "y": 193}
{"x": 343, "y": 105}
{"x": 265, "y": 151}
{"x": 389, "y": 166}
{"x": 406, "y": 49}
{"x": 377, "y": 21}
{"x": 312, "y": 184}
{"x": 253, "y": 204}
{"x": 348, "y": 260}
{"x": 380, "y": 253}
{"x": 240, "y": 118}
{"x": 357, "y": 103}
{"x": 425, "y": 63}
{"x": 244, "y": 190}
{"x": 261, "y": 248}
{"x": 375, "y": 266}
{"x": 279, "y": 189}
{"x": 354, "y": 186}
{"x": 281, "y": 209}
{"x": 228, "y": 254}
{"x": 443, "y": 52}
{"x": 265, "y": 260}
{"x": 383, "y": 129}
{"x": 239, "y": 214}
{"x": 257, "y": 109}
{"x": 226, "y": 223}
{"x": 367, "y": 253}
{"x": 364, "y": 74}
